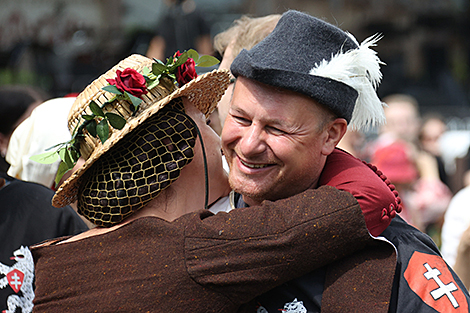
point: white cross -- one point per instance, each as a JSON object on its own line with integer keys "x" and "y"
{"x": 16, "y": 280}
{"x": 443, "y": 289}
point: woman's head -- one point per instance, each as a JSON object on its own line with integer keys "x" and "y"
{"x": 138, "y": 167}
{"x": 164, "y": 149}
{"x": 143, "y": 155}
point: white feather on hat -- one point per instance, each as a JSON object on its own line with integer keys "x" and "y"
{"x": 360, "y": 69}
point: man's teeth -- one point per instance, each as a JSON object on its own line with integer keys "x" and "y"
{"x": 254, "y": 165}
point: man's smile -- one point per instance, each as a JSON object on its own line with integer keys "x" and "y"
{"x": 254, "y": 166}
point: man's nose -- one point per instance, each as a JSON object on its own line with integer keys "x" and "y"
{"x": 253, "y": 141}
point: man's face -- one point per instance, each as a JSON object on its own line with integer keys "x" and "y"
{"x": 402, "y": 120}
{"x": 273, "y": 141}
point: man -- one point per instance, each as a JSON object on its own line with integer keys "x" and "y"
{"x": 296, "y": 93}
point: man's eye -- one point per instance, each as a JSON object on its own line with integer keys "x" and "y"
{"x": 208, "y": 121}
{"x": 276, "y": 131}
{"x": 241, "y": 119}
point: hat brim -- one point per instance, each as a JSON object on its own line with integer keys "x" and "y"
{"x": 204, "y": 92}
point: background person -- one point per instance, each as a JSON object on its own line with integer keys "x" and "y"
{"x": 413, "y": 170}
{"x": 45, "y": 128}
{"x": 432, "y": 129}
{"x": 456, "y": 221}
{"x": 16, "y": 104}
{"x": 182, "y": 27}
{"x": 461, "y": 260}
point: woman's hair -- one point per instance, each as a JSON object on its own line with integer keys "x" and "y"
{"x": 245, "y": 33}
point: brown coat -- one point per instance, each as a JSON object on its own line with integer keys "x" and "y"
{"x": 200, "y": 262}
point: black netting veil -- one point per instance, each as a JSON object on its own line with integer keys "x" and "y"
{"x": 137, "y": 168}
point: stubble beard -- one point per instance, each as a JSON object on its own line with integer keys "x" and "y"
{"x": 254, "y": 195}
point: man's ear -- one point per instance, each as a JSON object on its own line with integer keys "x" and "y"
{"x": 334, "y": 131}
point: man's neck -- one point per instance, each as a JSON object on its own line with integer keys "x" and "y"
{"x": 249, "y": 201}
{"x": 239, "y": 202}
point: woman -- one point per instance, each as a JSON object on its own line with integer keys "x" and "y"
{"x": 144, "y": 185}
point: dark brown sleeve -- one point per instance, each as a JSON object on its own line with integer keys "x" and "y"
{"x": 248, "y": 251}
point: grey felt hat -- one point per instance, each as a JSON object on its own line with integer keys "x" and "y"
{"x": 307, "y": 55}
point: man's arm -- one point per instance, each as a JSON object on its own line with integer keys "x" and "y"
{"x": 377, "y": 197}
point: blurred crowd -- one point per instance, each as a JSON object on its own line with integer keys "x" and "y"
{"x": 409, "y": 150}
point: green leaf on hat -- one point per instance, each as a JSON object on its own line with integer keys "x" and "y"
{"x": 158, "y": 61}
{"x": 112, "y": 89}
{"x": 116, "y": 120}
{"x": 158, "y": 68}
{"x": 169, "y": 61}
{"x": 102, "y": 129}
{"x": 91, "y": 128}
{"x": 63, "y": 168}
{"x": 74, "y": 154}
{"x": 66, "y": 157}
{"x": 193, "y": 55}
{"x": 96, "y": 109}
{"x": 150, "y": 78}
{"x": 45, "y": 158}
{"x": 135, "y": 101}
{"x": 88, "y": 117}
{"x": 152, "y": 83}
{"x": 207, "y": 60}
{"x": 181, "y": 59}
{"x": 146, "y": 71}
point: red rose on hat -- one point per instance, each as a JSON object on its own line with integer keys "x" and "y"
{"x": 186, "y": 71}
{"x": 130, "y": 81}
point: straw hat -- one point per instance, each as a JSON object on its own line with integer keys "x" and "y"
{"x": 204, "y": 92}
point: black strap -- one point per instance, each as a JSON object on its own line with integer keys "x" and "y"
{"x": 206, "y": 175}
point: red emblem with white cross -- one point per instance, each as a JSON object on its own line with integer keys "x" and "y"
{"x": 428, "y": 276}
{"x": 15, "y": 279}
